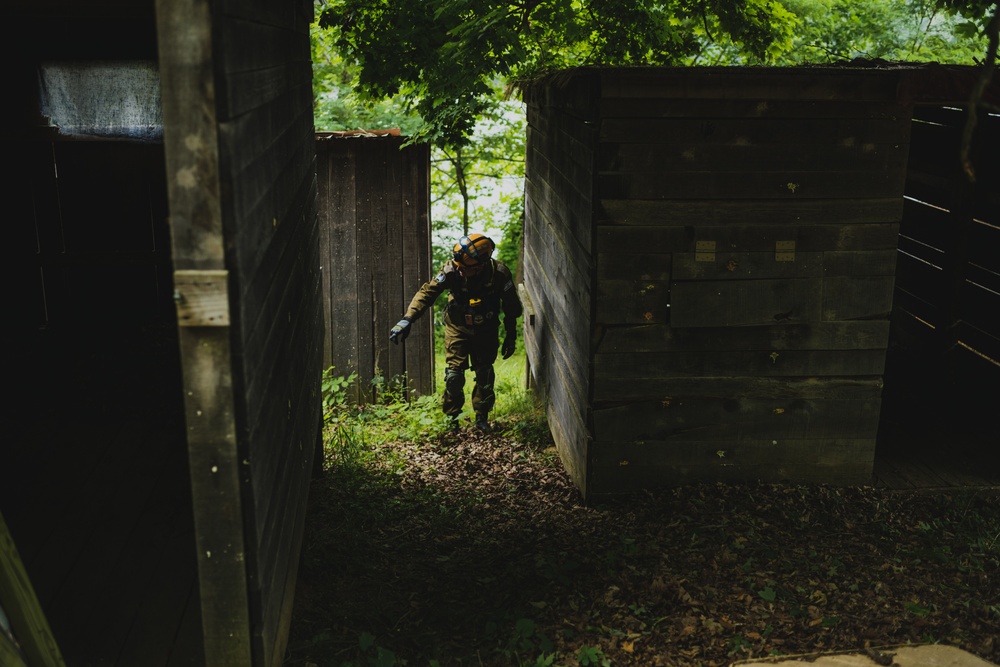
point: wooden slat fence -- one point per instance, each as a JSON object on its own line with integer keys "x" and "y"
{"x": 947, "y": 292}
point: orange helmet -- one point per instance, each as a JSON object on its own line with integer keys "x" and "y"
{"x": 473, "y": 250}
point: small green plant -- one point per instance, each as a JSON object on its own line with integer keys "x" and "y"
{"x": 389, "y": 391}
{"x": 592, "y": 655}
{"x": 349, "y": 442}
{"x": 345, "y": 440}
{"x": 737, "y": 643}
{"x": 372, "y": 654}
{"x": 335, "y": 392}
{"x": 767, "y": 594}
{"x": 528, "y": 646}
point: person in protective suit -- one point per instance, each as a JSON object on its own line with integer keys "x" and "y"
{"x": 480, "y": 289}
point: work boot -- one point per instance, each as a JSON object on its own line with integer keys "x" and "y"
{"x": 453, "y": 425}
{"x": 482, "y": 423}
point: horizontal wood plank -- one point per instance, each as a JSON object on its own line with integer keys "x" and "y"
{"x": 984, "y": 346}
{"x": 748, "y": 107}
{"x": 910, "y": 309}
{"x": 743, "y": 237}
{"x": 781, "y": 184}
{"x": 857, "y": 297}
{"x": 820, "y": 83}
{"x": 612, "y": 391}
{"x": 635, "y": 265}
{"x": 573, "y": 91}
{"x": 655, "y": 366}
{"x": 632, "y": 301}
{"x": 921, "y": 278}
{"x": 927, "y": 223}
{"x": 733, "y": 265}
{"x": 696, "y": 418}
{"x": 979, "y": 306}
{"x": 983, "y": 240}
{"x": 623, "y": 468}
{"x": 561, "y": 331}
{"x": 847, "y": 132}
{"x": 714, "y": 303}
{"x": 689, "y": 212}
{"x": 759, "y": 452}
{"x": 856, "y": 335}
{"x": 566, "y": 200}
{"x": 931, "y": 188}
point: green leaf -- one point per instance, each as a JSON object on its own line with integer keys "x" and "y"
{"x": 592, "y": 655}
{"x": 918, "y": 610}
{"x": 384, "y": 658}
{"x": 525, "y": 627}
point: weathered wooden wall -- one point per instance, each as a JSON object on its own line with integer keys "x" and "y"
{"x": 558, "y": 260}
{"x": 96, "y": 486}
{"x": 374, "y": 211}
{"x": 237, "y": 100}
{"x": 739, "y": 285}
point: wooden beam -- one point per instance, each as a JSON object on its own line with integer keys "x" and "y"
{"x": 194, "y": 185}
{"x": 19, "y": 602}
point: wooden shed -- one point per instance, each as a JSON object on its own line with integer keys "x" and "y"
{"x": 375, "y": 230}
{"x": 163, "y": 332}
{"x": 709, "y": 265}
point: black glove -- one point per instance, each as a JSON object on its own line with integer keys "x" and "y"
{"x": 507, "y": 349}
{"x": 400, "y": 331}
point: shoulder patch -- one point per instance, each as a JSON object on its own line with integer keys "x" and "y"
{"x": 508, "y": 286}
{"x": 440, "y": 278}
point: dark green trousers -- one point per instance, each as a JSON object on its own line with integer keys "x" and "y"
{"x": 464, "y": 348}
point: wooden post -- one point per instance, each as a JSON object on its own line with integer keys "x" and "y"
{"x": 19, "y": 602}
{"x": 191, "y": 146}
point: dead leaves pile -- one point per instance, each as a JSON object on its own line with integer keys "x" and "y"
{"x": 479, "y": 552}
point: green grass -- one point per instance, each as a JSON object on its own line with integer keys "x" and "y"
{"x": 357, "y": 434}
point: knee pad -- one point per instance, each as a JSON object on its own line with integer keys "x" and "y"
{"x": 454, "y": 380}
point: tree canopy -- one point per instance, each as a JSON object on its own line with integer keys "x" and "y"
{"x": 908, "y": 30}
{"x": 448, "y": 57}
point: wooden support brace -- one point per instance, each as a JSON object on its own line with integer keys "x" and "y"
{"x": 20, "y": 604}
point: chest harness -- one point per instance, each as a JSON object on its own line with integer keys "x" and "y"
{"x": 474, "y": 302}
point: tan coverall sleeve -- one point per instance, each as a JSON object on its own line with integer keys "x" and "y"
{"x": 424, "y": 299}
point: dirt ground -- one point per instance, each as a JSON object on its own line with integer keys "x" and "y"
{"x": 477, "y": 550}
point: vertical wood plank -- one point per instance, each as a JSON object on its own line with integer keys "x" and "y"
{"x": 325, "y": 217}
{"x": 343, "y": 273}
{"x": 395, "y": 256}
{"x": 187, "y": 74}
{"x": 416, "y": 244}
{"x": 368, "y": 252}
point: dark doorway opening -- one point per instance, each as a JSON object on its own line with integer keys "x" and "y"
{"x": 942, "y": 377}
